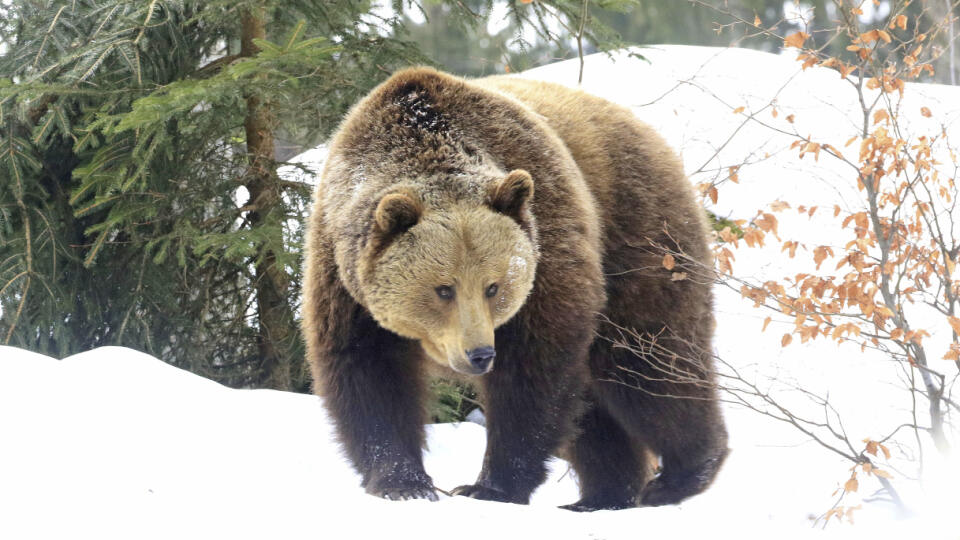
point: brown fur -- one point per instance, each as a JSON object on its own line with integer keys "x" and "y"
{"x": 429, "y": 179}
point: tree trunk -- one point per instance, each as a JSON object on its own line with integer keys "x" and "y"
{"x": 278, "y": 335}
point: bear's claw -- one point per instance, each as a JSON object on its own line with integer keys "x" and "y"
{"x": 484, "y": 493}
{"x": 407, "y": 493}
{"x": 593, "y": 504}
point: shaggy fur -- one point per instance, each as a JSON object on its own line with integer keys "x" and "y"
{"x": 428, "y": 182}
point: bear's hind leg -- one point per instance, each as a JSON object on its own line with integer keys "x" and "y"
{"x": 681, "y": 479}
{"x": 610, "y": 465}
{"x": 663, "y": 399}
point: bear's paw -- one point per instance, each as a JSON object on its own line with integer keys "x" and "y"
{"x": 405, "y": 493}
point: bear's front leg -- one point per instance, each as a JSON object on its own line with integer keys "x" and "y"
{"x": 531, "y": 400}
{"x": 372, "y": 386}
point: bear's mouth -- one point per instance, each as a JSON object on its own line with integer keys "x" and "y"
{"x": 468, "y": 369}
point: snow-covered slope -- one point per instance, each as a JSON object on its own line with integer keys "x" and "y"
{"x": 113, "y": 443}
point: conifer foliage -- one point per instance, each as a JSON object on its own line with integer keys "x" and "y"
{"x": 139, "y": 200}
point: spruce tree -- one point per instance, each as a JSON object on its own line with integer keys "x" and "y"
{"x": 140, "y": 203}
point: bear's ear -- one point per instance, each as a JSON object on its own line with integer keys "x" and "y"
{"x": 509, "y": 195}
{"x": 397, "y": 212}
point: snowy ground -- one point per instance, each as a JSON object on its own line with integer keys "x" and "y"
{"x": 116, "y": 444}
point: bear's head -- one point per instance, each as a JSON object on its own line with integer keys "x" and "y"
{"x": 449, "y": 275}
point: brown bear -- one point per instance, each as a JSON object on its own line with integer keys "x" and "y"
{"x": 512, "y": 232}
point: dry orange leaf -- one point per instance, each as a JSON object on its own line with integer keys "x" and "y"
{"x": 757, "y": 21}
{"x": 779, "y": 206}
{"x": 790, "y": 118}
{"x": 669, "y": 262}
{"x": 765, "y": 323}
{"x": 851, "y": 484}
{"x": 870, "y": 37}
{"x": 954, "y": 323}
{"x": 882, "y": 473}
{"x": 925, "y": 112}
{"x": 796, "y": 39}
{"x": 738, "y": 110}
{"x": 808, "y": 60}
{"x": 787, "y": 338}
{"x": 712, "y": 192}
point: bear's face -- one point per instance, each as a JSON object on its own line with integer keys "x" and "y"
{"x": 448, "y": 277}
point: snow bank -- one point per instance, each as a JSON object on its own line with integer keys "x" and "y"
{"x": 113, "y": 443}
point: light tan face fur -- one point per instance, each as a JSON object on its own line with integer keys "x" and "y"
{"x": 467, "y": 249}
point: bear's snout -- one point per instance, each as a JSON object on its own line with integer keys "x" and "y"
{"x": 481, "y": 358}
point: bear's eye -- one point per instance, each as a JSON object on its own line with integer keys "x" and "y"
{"x": 445, "y": 292}
{"x": 492, "y": 290}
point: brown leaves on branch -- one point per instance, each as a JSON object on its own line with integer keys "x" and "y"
{"x": 889, "y": 250}
{"x": 873, "y": 446}
{"x": 796, "y": 40}
{"x": 732, "y": 173}
{"x": 669, "y": 262}
{"x": 954, "y": 323}
{"x": 852, "y": 484}
{"x": 893, "y": 238}
{"x": 899, "y": 22}
{"x": 873, "y": 35}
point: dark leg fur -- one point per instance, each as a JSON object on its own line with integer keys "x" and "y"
{"x": 531, "y": 400}
{"x": 610, "y": 466}
{"x": 373, "y": 390}
{"x": 681, "y": 479}
{"x": 679, "y": 420}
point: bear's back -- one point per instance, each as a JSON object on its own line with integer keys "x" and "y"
{"x": 635, "y": 177}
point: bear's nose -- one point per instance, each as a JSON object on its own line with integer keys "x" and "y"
{"x": 481, "y": 357}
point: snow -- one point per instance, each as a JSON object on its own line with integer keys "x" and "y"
{"x": 113, "y": 443}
